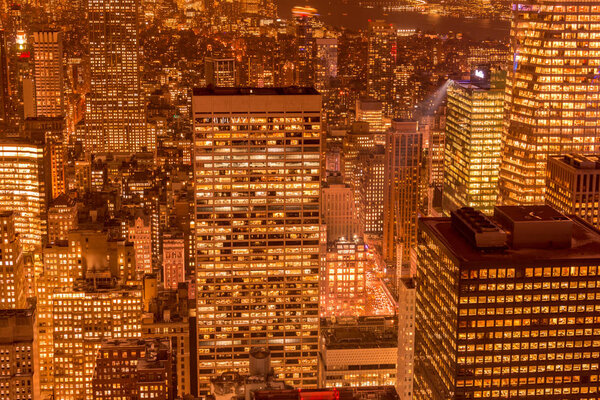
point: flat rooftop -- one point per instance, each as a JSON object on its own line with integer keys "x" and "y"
{"x": 340, "y": 393}
{"x": 474, "y": 85}
{"x": 585, "y": 246}
{"x": 578, "y": 161}
{"x": 532, "y": 213}
{"x": 252, "y": 91}
{"x": 355, "y": 338}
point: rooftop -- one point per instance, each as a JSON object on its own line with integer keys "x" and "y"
{"x": 578, "y": 161}
{"x": 473, "y": 85}
{"x": 584, "y": 239}
{"x": 16, "y": 312}
{"x": 355, "y": 338}
{"x": 345, "y": 393}
{"x": 250, "y": 91}
{"x": 531, "y": 213}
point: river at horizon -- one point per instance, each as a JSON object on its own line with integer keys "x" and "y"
{"x": 333, "y": 12}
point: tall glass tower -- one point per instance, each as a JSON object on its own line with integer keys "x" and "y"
{"x": 115, "y": 117}
{"x": 553, "y": 90}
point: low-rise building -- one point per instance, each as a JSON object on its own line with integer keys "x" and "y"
{"x": 358, "y": 351}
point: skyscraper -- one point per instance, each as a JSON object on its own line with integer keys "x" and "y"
{"x": 304, "y": 17}
{"x": 506, "y": 306}
{"x": 338, "y": 210}
{"x": 370, "y": 188}
{"x": 553, "y": 92}
{"x": 382, "y": 60}
{"x": 220, "y": 72}
{"x": 5, "y": 107}
{"x": 371, "y": 111}
{"x": 48, "y": 73}
{"x": 115, "y": 117}
{"x": 23, "y": 188}
{"x": 62, "y": 218}
{"x": 474, "y": 125}
{"x": 401, "y": 193}
{"x": 12, "y": 279}
{"x": 18, "y": 346}
{"x": 51, "y": 133}
{"x": 326, "y": 52}
{"x": 83, "y": 317}
{"x": 573, "y": 186}
{"x": 343, "y": 278}
{"x": 257, "y": 189}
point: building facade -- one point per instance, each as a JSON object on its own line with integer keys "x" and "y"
{"x": 573, "y": 186}
{"x": 18, "y": 351}
{"x": 220, "y": 72}
{"x": 343, "y": 278}
{"x": 115, "y": 117}
{"x": 505, "y": 307}
{"x": 62, "y": 218}
{"x": 173, "y": 260}
{"x": 83, "y": 317}
{"x": 401, "y": 193}
{"x": 473, "y": 141}
{"x": 358, "y": 352}
{"x": 24, "y": 188}
{"x": 381, "y": 62}
{"x": 48, "y": 73}
{"x": 338, "y": 210}
{"x": 13, "y": 280}
{"x": 553, "y": 108}
{"x": 257, "y": 182}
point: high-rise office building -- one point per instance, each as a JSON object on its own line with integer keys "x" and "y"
{"x": 573, "y": 186}
{"x": 23, "y": 188}
{"x": 401, "y": 193}
{"x": 51, "y": 132}
{"x": 371, "y": 111}
{"x": 369, "y": 188}
{"x": 474, "y": 125}
{"x": 220, "y": 72}
{"x": 5, "y": 105}
{"x": 48, "y": 73}
{"x": 338, "y": 210}
{"x": 83, "y": 317}
{"x": 58, "y": 271}
{"x": 21, "y": 77}
{"x": 304, "y": 18}
{"x": 381, "y": 63}
{"x": 358, "y": 139}
{"x": 553, "y": 93}
{"x": 62, "y": 218}
{"x": 326, "y": 52}
{"x": 257, "y": 189}
{"x": 506, "y": 306}
{"x": 406, "y": 338}
{"x": 343, "y": 278}
{"x": 18, "y": 349}
{"x": 12, "y": 275}
{"x": 115, "y": 117}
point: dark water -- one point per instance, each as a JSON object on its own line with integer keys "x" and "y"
{"x": 353, "y": 17}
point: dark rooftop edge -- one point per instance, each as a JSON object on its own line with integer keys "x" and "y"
{"x": 240, "y": 91}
